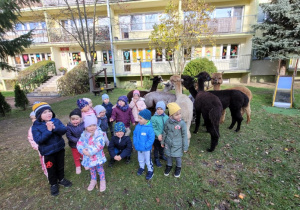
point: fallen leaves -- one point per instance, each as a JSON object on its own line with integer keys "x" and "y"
{"x": 242, "y": 195}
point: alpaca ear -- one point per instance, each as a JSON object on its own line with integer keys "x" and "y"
{"x": 222, "y": 73}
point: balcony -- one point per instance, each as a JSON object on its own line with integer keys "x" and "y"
{"x": 62, "y": 3}
{"x": 38, "y": 35}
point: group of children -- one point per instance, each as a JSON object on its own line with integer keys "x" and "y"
{"x": 87, "y": 136}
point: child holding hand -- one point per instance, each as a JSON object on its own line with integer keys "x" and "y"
{"x": 91, "y": 144}
{"x": 122, "y": 113}
{"x": 137, "y": 104}
{"x": 174, "y": 139}
{"x": 85, "y": 108}
{"x": 108, "y": 107}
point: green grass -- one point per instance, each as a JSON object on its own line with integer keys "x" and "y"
{"x": 8, "y": 93}
{"x": 261, "y": 161}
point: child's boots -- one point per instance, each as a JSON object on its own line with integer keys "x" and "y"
{"x": 92, "y": 185}
{"x": 157, "y": 163}
{"x": 177, "y": 172}
{"x": 102, "y": 185}
{"x": 168, "y": 169}
{"x": 78, "y": 170}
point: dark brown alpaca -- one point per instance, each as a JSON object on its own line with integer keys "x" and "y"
{"x": 207, "y": 105}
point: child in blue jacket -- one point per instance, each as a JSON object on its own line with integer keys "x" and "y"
{"x": 143, "y": 138}
{"x": 108, "y": 107}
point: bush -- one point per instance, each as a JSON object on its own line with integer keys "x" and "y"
{"x": 20, "y": 98}
{"x": 147, "y": 83}
{"x": 194, "y": 67}
{"x": 4, "y": 106}
{"x": 129, "y": 85}
{"x": 75, "y": 81}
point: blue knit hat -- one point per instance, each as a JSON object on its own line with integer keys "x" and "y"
{"x": 90, "y": 120}
{"x": 119, "y": 126}
{"x": 146, "y": 114}
{"x": 39, "y": 108}
{"x": 104, "y": 96}
{"x": 161, "y": 105}
{"x": 123, "y": 98}
{"x": 82, "y": 103}
{"x": 99, "y": 109}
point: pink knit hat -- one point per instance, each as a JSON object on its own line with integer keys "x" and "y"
{"x": 136, "y": 92}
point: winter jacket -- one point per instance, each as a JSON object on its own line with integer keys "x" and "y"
{"x": 31, "y": 141}
{"x": 143, "y": 137}
{"x": 95, "y": 145}
{"x": 73, "y": 133}
{"x": 49, "y": 141}
{"x": 124, "y": 145}
{"x": 175, "y": 138}
{"x": 158, "y": 122}
{"x": 102, "y": 123}
{"x": 108, "y": 108}
{"x": 137, "y": 106}
{"x": 119, "y": 116}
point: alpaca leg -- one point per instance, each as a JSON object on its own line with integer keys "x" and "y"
{"x": 233, "y": 121}
{"x": 214, "y": 137}
{"x": 188, "y": 125}
{"x": 248, "y": 112}
{"x": 223, "y": 116}
{"x": 198, "y": 116}
{"x": 239, "y": 122}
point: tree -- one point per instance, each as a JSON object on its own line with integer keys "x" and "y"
{"x": 178, "y": 32}
{"x": 4, "y": 106}
{"x": 278, "y": 37}
{"x": 20, "y": 98}
{"x": 9, "y": 16}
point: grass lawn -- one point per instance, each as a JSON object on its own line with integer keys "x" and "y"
{"x": 8, "y": 93}
{"x": 256, "y": 168}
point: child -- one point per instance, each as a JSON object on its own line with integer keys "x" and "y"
{"x": 90, "y": 103}
{"x": 91, "y": 144}
{"x": 102, "y": 121}
{"x": 34, "y": 145}
{"x": 120, "y": 146}
{"x": 83, "y": 105}
{"x": 122, "y": 113}
{"x": 137, "y": 104}
{"x": 47, "y": 133}
{"x": 143, "y": 138}
{"x": 108, "y": 107}
{"x": 174, "y": 138}
{"x": 158, "y": 121}
{"x": 74, "y": 130}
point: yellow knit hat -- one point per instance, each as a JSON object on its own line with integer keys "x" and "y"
{"x": 173, "y": 108}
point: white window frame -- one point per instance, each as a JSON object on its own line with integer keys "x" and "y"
{"x": 108, "y": 62}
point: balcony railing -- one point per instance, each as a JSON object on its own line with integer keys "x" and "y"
{"x": 38, "y": 35}
{"x": 62, "y": 3}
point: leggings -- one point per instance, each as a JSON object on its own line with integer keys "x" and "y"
{"x": 100, "y": 170}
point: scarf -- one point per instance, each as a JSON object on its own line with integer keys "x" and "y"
{"x": 123, "y": 108}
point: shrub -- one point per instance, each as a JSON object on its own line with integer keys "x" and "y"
{"x": 147, "y": 83}
{"x": 129, "y": 85}
{"x": 75, "y": 81}
{"x": 20, "y": 98}
{"x": 194, "y": 67}
{"x": 4, "y": 106}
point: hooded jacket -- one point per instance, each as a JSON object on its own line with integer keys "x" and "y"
{"x": 143, "y": 137}
{"x": 73, "y": 133}
{"x": 136, "y": 105}
{"x": 125, "y": 117}
{"x": 124, "y": 145}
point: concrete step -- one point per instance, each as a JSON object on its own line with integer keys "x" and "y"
{"x": 43, "y": 94}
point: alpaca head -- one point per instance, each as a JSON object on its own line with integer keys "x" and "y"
{"x": 203, "y": 77}
{"x": 157, "y": 79}
{"x": 188, "y": 81}
{"x": 175, "y": 79}
{"x": 168, "y": 86}
{"x": 216, "y": 78}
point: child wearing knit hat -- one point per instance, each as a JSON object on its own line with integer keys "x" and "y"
{"x": 143, "y": 138}
{"x": 90, "y": 145}
{"x": 85, "y": 108}
{"x": 174, "y": 139}
{"x": 158, "y": 121}
{"x": 108, "y": 107}
{"x": 47, "y": 133}
{"x": 137, "y": 104}
{"x": 74, "y": 130}
{"x": 34, "y": 145}
{"x": 102, "y": 120}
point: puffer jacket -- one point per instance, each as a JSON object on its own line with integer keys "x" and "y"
{"x": 125, "y": 117}
{"x": 124, "y": 145}
{"x": 108, "y": 108}
{"x": 135, "y": 106}
{"x": 175, "y": 138}
{"x": 49, "y": 141}
{"x": 158, "y": 122}
{"x": 73, "y": 133}
{"x": 143, "y": 137}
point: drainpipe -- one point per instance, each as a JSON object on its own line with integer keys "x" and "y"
{"x": 111, "y": 44}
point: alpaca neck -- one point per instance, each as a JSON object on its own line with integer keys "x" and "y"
{"x": 178, "y": 89}
{"x": 200, "y": 85}
{"x": 217, "y": 87}
{"x": 193, "y": 91}
{"x": 154, "y": 86}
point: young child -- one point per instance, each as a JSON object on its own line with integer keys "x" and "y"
{"x": 86, "y": 110}
{"x": 120, "y": 146}
{"x": 74, "y": 130}
{"x": 90, "y": 103}
{"x": 174, "y": 138}
{"x": 102, "y": 121}
{"x": 47, "y": 133}
{"x": 91, "y": 144}
{"x": 137, "y": 104}
{"x": 158, "y": 121}
{"x": 143, "y": 138}
{"x": 108, "y": 107}
{"x": 122, "y": 113}
{"x": 34, "y": 145}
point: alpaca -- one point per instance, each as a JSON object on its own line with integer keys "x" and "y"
{"x": 206, "y": 104}
{"x": 152, "y": 98}
{"x": 168, "y": 86}
{"x": 156, "y": 80}
{"x": 217, "y": 80}
{"x": 184, "y": 102}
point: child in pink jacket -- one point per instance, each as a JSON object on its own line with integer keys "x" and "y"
{"x": 34, "y": 145}
{"x": 137, "y": 104}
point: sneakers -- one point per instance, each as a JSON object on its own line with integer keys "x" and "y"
{"x": 92, "y": 185}
{"x": 78, "y": 170}
{"x": 157, "y": 163}
{"x": 177, "y": 172}
{"x": 127, "y": 160}
{"x": 54, "y": 190}
{"x": 140, "y": 171}
{"x": 149, "y": 175}
{"x": 163, "y": 158}
{"x": 168, "y": 169}
{"x": 64, "y": 182}
{"x": 102, "y": 185}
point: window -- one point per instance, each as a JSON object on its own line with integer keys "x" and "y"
{"x": 208, "y": 52}
{"x": 26, "y": 60}
{"x": 49, "y": 56}
{"x": 169, "y": 55}
{"x": 223, "y": 12}
{"x": 261, "y": 16}
{"x": 18, "y": 61}
{"x": 126, "y": 56}
{"x": 198, "y": 52}
{"x": 107, "y": 57}
{"x": 233, "y": 51}
{"x": 224, "y": 52}
{"x": 94, "y": 56}
{"x": 137, "y": 23}
{"x": 150, "y": 20}
{"x": 149, "y": 55}
{"x": 158, "y": 55}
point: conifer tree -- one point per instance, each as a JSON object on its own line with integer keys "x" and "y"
{"x": 278, "y": 37}
{"x": 4, "y": 106}
{"x": 20, "y": 98}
